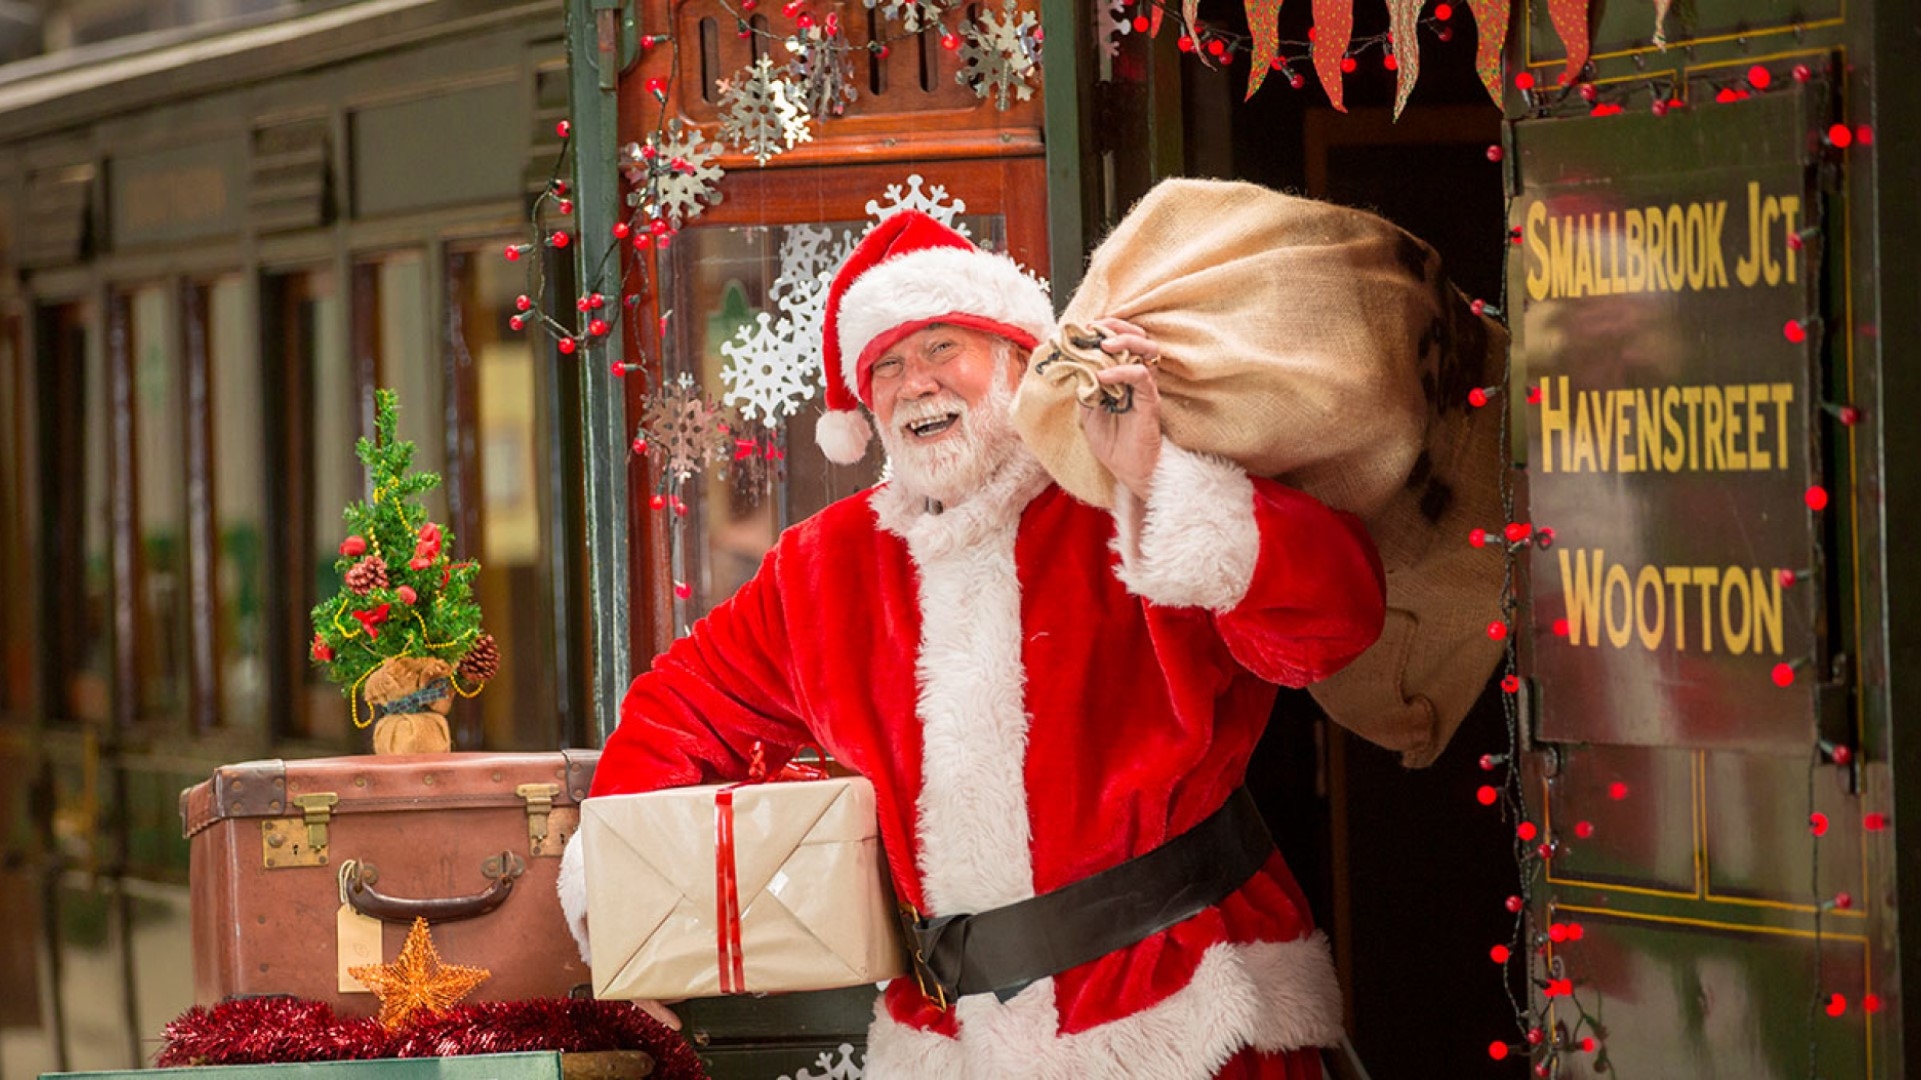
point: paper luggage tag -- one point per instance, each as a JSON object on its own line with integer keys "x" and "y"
{"x": 358, "y": 943}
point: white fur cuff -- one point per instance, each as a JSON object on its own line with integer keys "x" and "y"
{"x": 572, "y": 887}
{"x": 1197, "y": 543}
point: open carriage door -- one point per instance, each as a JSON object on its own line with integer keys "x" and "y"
{"x": 1700, "y": 297}
{"x": 754, "y": 144}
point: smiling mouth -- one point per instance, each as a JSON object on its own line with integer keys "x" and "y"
{"x": 932, "y": 426}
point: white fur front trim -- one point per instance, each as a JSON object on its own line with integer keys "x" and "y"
{"x": 1197, "y": 543}
{"x": 932, "y": 282}
{"x": 975, "y": 844}
{"x": 1271, "y": 995}
{"x": 572, "y": 887}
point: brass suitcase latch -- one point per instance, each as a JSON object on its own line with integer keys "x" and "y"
{"x": 302, "y": 841}
{"x": 547, "y": 826}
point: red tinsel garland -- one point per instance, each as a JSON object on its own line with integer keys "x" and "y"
{"x": 252, "y": 1031}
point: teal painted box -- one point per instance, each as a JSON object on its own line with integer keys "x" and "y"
{"x": 541, "y": 1065}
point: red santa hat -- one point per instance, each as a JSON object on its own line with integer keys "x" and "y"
{"x": 909, "y": 273}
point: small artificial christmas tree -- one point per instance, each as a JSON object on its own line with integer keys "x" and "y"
{"x": 404, "y": 630}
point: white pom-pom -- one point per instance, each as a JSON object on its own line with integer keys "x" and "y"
{"x": 843, "y": 435}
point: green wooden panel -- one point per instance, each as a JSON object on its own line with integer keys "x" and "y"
{"x": 1618, "y": 27}
{"x": 769, "y": 1062}
{"x": 439, "y": 151}
{"x": 177, "y": 194}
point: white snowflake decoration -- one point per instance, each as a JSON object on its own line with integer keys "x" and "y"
{"x": 822, "y": 72}
{"x": 911, "y": 14}
{"x": 677, "y": 194}
{"x": 764, "y": 114}
{"x": 1113, "y": 24}
{"x": 842, "y": 1068}
{"x": 686, "y": 428}
{"x": 773, "y": 368}
{"x": 809, "y": 255}
{"x": 998, "y": 54}
{"x": 932, "y": 202}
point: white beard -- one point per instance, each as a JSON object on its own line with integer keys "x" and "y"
{"x": 950, "y": 470}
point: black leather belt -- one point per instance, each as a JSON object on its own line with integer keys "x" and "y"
{"x": 1003, "y": 950}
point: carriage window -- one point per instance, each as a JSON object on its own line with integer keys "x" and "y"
{"x": 748, "y": 291}
{"x": 77, "y": 592}
{"x": 161, "y": 626}
{"x": 304, "y": 332}
{"x": 16, "y": 607}
{"x": 509, "y": 494}
{"x": 239, "y": 479}
{"x": 390, "y": 325}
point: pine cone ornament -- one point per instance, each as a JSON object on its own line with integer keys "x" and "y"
{"x": 367, "y": 575}
{"x": 482, "y": 662}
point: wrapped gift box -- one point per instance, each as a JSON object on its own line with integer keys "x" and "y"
{"x": 800, "y": 902}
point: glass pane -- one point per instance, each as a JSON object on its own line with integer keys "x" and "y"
{"x": 308, "y": 349}
{"x": 79, "y": 589}
{"x": 730, "y": 276}
{"x": 512, "y": 491}
{"x": 160, "y": 505}
{"x": 238, "y": 418}
{"x": 404, "y": 360}
{"x": 16, "y": 648}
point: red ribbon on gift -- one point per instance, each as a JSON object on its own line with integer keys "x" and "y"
{"x": 733, "y": 960}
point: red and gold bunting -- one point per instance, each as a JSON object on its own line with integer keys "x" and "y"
{"x": 1490, "y": 28}
{"x": 1264, "y": 27}
{"x": 1333, "y": 29}
{"x": 1155, "y": 13}
{"x": 1404, "y": 30}
{"x": 1661, "y": 23}
{"x": 1570, "y": 22}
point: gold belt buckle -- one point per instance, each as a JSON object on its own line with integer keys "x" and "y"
{"x": 910, "y": 918}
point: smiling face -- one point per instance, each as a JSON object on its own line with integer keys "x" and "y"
{"x": 933, "y": 360}
{"x": 942, "y": 401}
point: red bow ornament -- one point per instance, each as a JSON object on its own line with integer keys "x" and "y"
{"x": 370, "y": 620}
{"x": 427, "y": 549}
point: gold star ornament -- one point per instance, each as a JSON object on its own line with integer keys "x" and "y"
{"x": 417, "y": 981}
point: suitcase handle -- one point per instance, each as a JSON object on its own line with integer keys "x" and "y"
{"x": 359, "y": 876}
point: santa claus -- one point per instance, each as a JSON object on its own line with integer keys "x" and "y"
{"x": 1055, "y": 703}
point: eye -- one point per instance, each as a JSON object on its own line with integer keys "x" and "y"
{"x": 940, "y": 349}
{"x": 887, "y": 367}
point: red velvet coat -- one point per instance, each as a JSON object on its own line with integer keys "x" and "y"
{"x": 1038, "y": 690}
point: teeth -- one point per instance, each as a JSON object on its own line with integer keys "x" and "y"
{"x": 934, "y": 423}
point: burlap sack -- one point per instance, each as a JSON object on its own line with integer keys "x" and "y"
{"x": 1322, "y": 346}
{"x": 410, "y": 696}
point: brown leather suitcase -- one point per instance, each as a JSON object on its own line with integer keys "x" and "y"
{"x": 470, "y": 841}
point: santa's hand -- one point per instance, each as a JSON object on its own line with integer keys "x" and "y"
{"x": 659, "y": 1011}
{"x": 1120, "y": 336}
{"x": 1127, "y": 443}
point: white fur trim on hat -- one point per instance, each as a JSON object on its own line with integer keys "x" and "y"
{"x": 842, "y": 435}
{"x": 932, "y": 282}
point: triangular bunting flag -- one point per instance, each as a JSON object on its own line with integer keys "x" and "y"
{"x": 1264, "y": 26}
{"x": 1404, "y": 18}
{"x": 1490, "y": 30}
{"x": 1333, "y": 29}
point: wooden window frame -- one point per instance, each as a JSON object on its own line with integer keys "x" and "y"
{"x": 1011, "y": 187}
